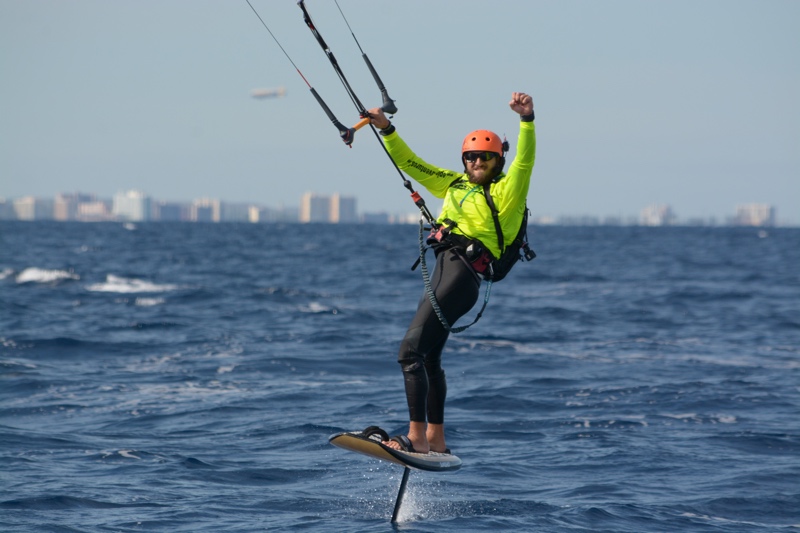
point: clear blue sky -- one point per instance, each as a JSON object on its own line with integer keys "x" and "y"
{"x": 692, "y": 104}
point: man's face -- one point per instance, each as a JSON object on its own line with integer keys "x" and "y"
{"x": 480, "y": 166}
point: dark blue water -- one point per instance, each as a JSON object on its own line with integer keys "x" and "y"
{"x": 186, "y": 377}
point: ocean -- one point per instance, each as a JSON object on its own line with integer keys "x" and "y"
{"x": 186, "y": 378}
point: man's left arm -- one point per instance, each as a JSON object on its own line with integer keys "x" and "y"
{"x": 513, "y": 189}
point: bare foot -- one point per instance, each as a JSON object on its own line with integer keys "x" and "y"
{"x": 435, "y": 437}
{"x": 418, "y": 447}
{"x": 417, "y": 436}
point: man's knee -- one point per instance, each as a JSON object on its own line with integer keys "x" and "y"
{"x": 410, "y": 359}
{"x": 412, "y": 364}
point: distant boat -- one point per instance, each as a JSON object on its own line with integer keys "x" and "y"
{"x": 280, "y": 92}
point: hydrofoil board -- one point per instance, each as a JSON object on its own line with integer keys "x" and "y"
{"x": 368, "y": 442}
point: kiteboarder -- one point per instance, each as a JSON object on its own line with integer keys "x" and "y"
{"x": 465, "y": 241}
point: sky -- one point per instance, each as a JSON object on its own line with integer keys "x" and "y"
{"x": 685, "y": 103}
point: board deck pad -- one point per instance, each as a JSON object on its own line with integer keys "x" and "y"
{"x": 432, "y": 462}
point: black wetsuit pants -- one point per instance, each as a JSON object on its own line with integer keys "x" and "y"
{"x": 456, "y": 287}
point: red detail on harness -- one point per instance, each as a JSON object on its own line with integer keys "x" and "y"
{"x": 482, "y": 262}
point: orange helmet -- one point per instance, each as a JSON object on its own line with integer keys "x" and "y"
{"x": 482, "y": 141}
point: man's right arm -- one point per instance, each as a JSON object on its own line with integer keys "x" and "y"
{"x": 436, "y": 180}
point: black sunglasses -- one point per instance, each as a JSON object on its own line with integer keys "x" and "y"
{"x": 474, "y": 156}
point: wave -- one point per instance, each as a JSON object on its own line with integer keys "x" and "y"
{"x": 62, "y": 501}
{"x": 148, "y": 302}
{"x": 41, "y": 275}
{"x": 317, "y": 308}
{"x": 130, "y": 285}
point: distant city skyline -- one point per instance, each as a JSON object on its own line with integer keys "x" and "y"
{"x": 135, "y": 205}
{"x": 683, "y": 103}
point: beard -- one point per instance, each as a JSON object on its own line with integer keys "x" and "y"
{"x": 481, "y": 176}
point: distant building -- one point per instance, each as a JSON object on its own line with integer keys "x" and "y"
{"x": 343, "y": 209}
{"x": 205, "y": 210}
{"x": 31, "y": 208}
{"x": 25, "y": 208}
{"x": 170, "y": 211}
{"x": 234, "y": 212}
{"x": 386, "y": 218}
{"x": 269, "y": 214}
{"x": 405, "y": 218}
{"x": 578, "y": 220}
{"x": 315, "y": 208}
{"x": 201, "y": 213}
{"x": 134, "y": 206}
{"x": 755, "y": 215}
{"x": 333, "y": 209}
{"x": 375, "y": 218}
{"x": 542, "y": 220}
{"x": 96, "y": 211}
{"x": 65, "y": 205}
{"x": 700, "y": 222}
{"x": 6, "y": 210}
{"x": 657, "y": 215}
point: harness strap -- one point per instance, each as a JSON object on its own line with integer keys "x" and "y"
{"x": 495, "y": 217}
{"x": 429, "y": 288}
{"x": 495, "y": 213}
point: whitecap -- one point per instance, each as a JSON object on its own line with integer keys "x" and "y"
{"x": 682, "y": 416}
{"x": 316, "y": 307}
{"x": 41, "y": 275}
{"x": 7, "y": 343}
{"x": 129, "y": 454}
{"x": 6, "y": 272}
{"x": 148, "y": 302}
{"x": 129, "y": 285}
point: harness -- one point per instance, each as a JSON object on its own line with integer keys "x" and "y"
{"x": 423, "y": 247}
{"x": 473, "y": 253}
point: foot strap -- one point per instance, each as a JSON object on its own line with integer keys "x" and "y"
{"x": 405, "y": 443}
{"x": 375, "y": 430}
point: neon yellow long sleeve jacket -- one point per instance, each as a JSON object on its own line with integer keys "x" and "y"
{"x": 464, "y": 202}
